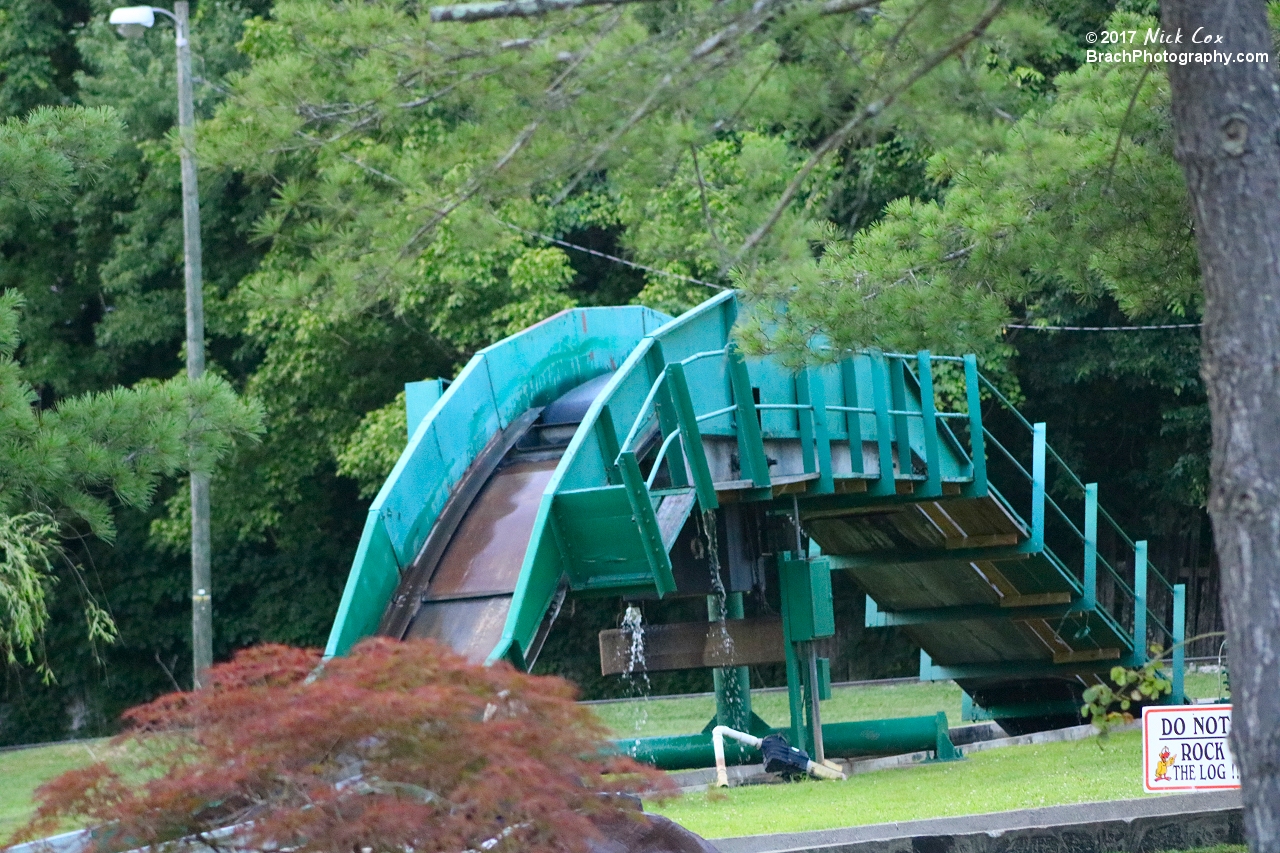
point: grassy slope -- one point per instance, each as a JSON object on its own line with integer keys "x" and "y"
{"x": 996, "y": 780}
{"x": 26, "y": 769}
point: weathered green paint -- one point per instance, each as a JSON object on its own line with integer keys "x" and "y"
{"x": 755, "y": 465}
{"x": 690, "y": 437}
{"x": 596, "y": 525}
{"x": 370, "y": 586}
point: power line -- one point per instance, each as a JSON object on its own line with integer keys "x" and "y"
{"x": 557, "y": 241}
{"x": 1103, "y": 328}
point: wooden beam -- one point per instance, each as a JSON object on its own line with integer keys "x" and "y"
{"x": 694, "y": 645}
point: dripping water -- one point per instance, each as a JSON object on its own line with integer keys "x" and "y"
{"x": 720, "y": 630}
{"x": 637, "y": 673}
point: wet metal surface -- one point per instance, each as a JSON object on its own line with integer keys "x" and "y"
{"x": 471, "y": 627}
{"x": 467, "y": 601}
{"x": 487, "y": 549}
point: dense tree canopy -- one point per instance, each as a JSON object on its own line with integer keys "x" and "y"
{"x": 380, "y": 195}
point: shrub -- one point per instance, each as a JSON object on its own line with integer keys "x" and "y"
{"x": 397, "y": 748}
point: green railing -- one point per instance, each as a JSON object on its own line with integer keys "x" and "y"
{"x": 1133, "y": 620}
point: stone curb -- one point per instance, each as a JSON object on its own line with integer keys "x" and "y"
{"x": 1149, "y": 825}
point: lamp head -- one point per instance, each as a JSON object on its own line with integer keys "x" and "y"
{"x": 132, "y": 21}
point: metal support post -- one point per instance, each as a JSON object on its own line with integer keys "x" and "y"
{"x": 795, "y": 701}
{"x": 1038, "y": 474}
{"x": 1178, "y": 694}
{"x": 815, "y": 713}
{"x": 977, "y": 440}
{"x": 732, "y": 683}
{"x": 1090, "y": 546}
{"x": 201, "y": 576}
{"x": 1140, "y": 603}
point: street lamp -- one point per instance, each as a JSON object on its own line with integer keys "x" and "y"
{"x": 133, "y": 21}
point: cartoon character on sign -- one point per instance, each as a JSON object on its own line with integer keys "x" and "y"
{"x": 1163, "y": 765}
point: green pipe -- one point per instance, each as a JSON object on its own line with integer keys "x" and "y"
{"x": 842, "y": 740}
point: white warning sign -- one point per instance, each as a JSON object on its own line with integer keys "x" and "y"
{"x": 1185, "y": 748}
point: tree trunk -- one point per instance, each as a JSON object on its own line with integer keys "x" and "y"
{"x": 1227, "y": 118}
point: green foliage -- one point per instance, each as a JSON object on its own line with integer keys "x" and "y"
{"x": 26, "y": 570}
{"x": 50, "y": 153}
{"x": 1107, "y": 706}
{"x": 403, "y": 746}
{"x": 375, "y": 446}
{"x": 72, "y": 464}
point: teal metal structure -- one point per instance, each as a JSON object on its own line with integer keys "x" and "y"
{"x": 952, "y": 532}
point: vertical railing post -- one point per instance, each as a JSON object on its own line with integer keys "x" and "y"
{"x": 852, "y": 420}
{"x": 752, "y": 462}
{"x": 977, "y": 439}
{"x": 1090, "y": 546}
{"x": 607, "y": 441}
{"x": 898, "y": 401}
{"x": 929, "y": 417}
{"x": 811, "y": 391}
{"x": 884, "y": 425}
{"x": 1178, "y": 694}
{"x": 1140, "y": 602}
{"x": 691, "y": 436}
{"x": 1037, "y": 486}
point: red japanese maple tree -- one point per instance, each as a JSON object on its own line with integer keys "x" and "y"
{"x": 396, "y": 748}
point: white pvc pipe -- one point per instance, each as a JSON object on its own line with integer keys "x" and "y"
{"x": 824, "y": 770}
{"x": 717, "y": 743}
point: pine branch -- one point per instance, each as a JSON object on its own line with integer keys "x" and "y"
{"x": 838, "y": 138}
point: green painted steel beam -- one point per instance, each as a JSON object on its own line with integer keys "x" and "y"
{"x": 852, "y": 420}
{"x": 929, "y": 417}
{"x": 811, "y": 392}
{"x": 651, "y": 536}
{"x": 753, "y": 462}
{"x": 1139, "y": 604}
{"x": 691, "y": 437}
{"x": 1091, "y": 545}
{"x": 886, "y": 485}
{"x": 977, "y": 487}
{"x": 876, "y": 618}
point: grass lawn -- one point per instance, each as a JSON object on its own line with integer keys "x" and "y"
{"x": 682, "y": 716}
{"x": 24, "y": 770}
{"x": 1015, "y": 777}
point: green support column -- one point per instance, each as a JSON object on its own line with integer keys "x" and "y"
{"x": 795, "y": 698}
{"x": 1090, "y": 601}
{"x": 807, "y": 615}
{"x": 1178, "y": 694}
{"x": 1140, "y": 603}
{"x": 732, "y": 683}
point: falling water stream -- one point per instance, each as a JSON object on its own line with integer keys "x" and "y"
{"x": 720, "y": 640}
{"x": 637, "y": 674}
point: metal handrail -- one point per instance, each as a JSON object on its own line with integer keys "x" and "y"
{"x": 642, "y": 416}
{"x": 657, "y": 462}
{"x": 1102, "y": 513}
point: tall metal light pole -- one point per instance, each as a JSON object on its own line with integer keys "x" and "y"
{"x": 132, "y": 20}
